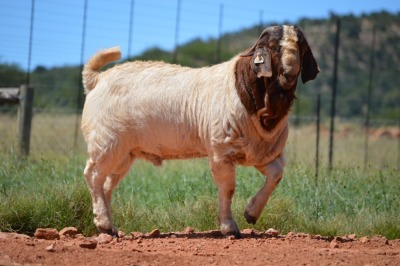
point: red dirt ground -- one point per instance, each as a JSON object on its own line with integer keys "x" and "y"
{"x": 200, "y": 248}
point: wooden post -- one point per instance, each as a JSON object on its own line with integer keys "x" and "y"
{"x": 25, "y": 119}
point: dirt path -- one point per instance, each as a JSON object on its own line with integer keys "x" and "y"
{"x": 206, "y": 248}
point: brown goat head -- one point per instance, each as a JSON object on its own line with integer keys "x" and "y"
{"x": 266, "y": 74}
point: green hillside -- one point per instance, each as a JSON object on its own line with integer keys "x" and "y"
{"x": 58, "y": 87}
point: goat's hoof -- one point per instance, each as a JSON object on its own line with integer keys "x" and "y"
{"x": 249, "y": 219}
{"x": 236, "y": 234}
{"x": 231, "y": 229}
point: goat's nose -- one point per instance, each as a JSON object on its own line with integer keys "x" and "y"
{"x": 289, "y": 78}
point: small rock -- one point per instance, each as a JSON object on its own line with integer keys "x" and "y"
{"x": 334, "y": 244}
{"x": 121, "y": 234}
{"x": 88, "y": 243}
{"x": 69, "y": 231}
{"x": 305, "y": 235}
{"x": 318, "y": 237}
{"x": 380, "y": 240}
{"x": 136, "y": 234}
{"x": 290, "y": 234}
{"x": 104, "y": 239}
{"x": 338, "y": 239}
{"x": 19, "y": 236}
{"x": 248, "y": 231}
{"x": 154, "y": 233}
{"x": 47, "y": 233}
{"x": 364, "y": 239}
{"x": 271, "y": 232}
{"x": 51, "y": 248}
{"x": 115, "y": 241}
{"x": 188, "y": 230}
{"x": 127, "y": 238}
{"x": 352, "y": 237}
{"x": 79, "y": 236}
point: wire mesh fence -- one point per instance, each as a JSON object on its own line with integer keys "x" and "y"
{"x": 367, "y": 120}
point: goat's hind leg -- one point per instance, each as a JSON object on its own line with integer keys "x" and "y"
{"x": 116, "y": 176}
{"x": 96, "y": 176}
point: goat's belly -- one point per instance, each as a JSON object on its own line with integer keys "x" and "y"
{"x": 165, "y": 144}
{"x": 163, "y": 153}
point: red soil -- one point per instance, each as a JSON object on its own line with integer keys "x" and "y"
{"x": 200, "y": 248}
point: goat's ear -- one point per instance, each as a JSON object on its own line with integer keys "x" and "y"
{"x": 261, "y": 57}
{"x": 261, "y": 62}
{"x": 249, "y": 52}
{"x": 309, "y": 67}
{"x": 262, "y": 40}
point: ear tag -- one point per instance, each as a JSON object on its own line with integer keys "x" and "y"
{"x": 259, "y": 59}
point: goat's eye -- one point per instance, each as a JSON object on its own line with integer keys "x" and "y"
{"x": 274, "y": 47}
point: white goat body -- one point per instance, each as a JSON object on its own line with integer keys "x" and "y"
{"x": 158, "y": 111}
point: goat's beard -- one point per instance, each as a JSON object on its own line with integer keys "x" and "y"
{"x": 278, "y": 103}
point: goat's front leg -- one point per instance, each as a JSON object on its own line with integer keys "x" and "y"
{"x": 224, "y": 177}
{"x": 273, "y": 173}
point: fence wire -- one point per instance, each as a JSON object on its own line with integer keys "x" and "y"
{"x": 36, "y": 37}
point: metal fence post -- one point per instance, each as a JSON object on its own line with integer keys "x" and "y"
{"x": 334, "y": 93}
{"x": 25, "y": 119}
{"x": 178, "y": 18}
{"x": 219, "y": 41}
{"x": 369, "y": 93}
{"x": 318, "y": 125}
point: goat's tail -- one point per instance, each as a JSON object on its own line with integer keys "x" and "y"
{"x": 90, "y": 73}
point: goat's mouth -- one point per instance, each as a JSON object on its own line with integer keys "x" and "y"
{"x": 287, "y": 83}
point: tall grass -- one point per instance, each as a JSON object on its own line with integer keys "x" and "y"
{"x": 42, "y": 193}
{"x": 52, "y": 193}
{"x": 48, "y": 189}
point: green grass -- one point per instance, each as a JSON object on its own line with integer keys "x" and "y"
{"x": 42, "y": 193}
{"x": 48, "y": 188}
{"x": 53, "y": 193}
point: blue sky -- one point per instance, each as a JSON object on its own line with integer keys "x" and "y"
{"x": 57, "y": 34}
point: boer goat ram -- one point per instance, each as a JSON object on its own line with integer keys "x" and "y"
{"x": 234, "y": 113}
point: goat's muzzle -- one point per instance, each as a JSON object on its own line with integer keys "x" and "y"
{"x": 287, "y": 81}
